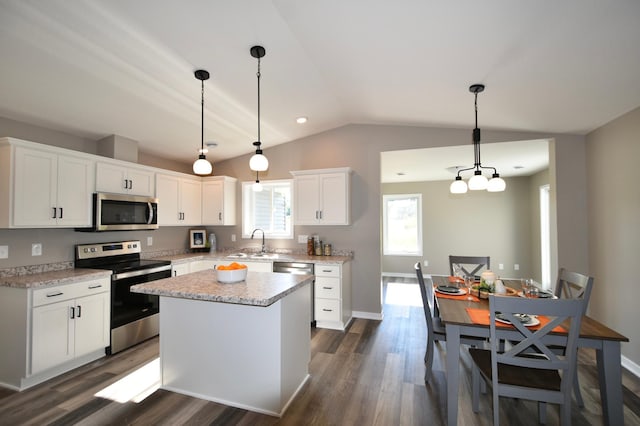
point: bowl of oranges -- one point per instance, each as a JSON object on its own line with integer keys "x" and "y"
{"x": 233, "y": 273}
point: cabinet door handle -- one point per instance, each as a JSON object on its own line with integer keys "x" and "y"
{"x": 126, "y": 184}
{"x": 316, "y": 214}
{"x": 327, "y": 310}
{"x": 55, "y": 294}
{"x": 73, "y": 312}
{"x": 79, "y": 311}
{"x": 175, "y": 273}
{"x": 130, "y": 184}
{"x": 91, "y": 287}
{"x": 220, "y": 216}
{"x": 320, "y": 214}
{"x": 61, "y": 212}
{"x": 54, "y": 212}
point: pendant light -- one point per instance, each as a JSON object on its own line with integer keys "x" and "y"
{"x": 478, "y": 181}
{"x": 201, "y": 166}
{"x": 258, "y": 161}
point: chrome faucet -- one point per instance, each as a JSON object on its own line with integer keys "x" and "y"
{"x": 254, "y": 231}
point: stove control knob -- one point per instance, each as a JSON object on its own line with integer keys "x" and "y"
{"x": 93, "y": 250}
{"x": 86, "y": 250}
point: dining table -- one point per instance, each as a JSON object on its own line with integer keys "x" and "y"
{"x": 593, "y": 334}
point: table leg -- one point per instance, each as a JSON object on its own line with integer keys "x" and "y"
{"x": 453, "y": 367}
{"x": 610, "y": 377}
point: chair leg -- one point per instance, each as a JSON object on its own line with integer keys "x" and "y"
{"x": 542, "y": 413}
{"x": 475, "y": 386}
{"x": 576, "y": 391}
{"x": 428, "y": 361}
{"x": 496, "y": 408}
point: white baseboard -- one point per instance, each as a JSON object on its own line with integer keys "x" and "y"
{"x": 631, "y": 366}
{"x": 398, "y": 274}
{"x": 368, "y": 315}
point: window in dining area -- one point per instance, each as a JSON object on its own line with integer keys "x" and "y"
{"x": 402, "y": 224}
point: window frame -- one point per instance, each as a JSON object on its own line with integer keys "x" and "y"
{"x": 247, "y": 188}
{"x": 386, "y": 251}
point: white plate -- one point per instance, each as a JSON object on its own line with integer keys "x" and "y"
{"x": 552, "y": 296}
{"x": 460, "y": 292}
{"x": 532, "y": 323}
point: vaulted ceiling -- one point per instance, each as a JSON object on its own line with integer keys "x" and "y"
{"x": 100, "y": 67}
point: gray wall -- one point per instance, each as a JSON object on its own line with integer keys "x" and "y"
{"x": 477, "y": 223}
{"x": 359, "y": 146}
{"x": 613, "y": 152}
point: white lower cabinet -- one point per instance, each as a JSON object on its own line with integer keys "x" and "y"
{"x": 333, "y": 296}
{"x": 69, "y": 322}
{"x": 258, "y": 266}
{"x": 45, "y": 332}
{"x": 179, "y": 269}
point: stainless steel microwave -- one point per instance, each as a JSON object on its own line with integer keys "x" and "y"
{"x": 121, "y": 212}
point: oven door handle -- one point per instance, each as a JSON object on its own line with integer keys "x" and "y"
{"x": 130, "y": 274}
{"x": 150, "y": 215}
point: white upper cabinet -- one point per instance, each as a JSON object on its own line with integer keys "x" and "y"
{"x": 122, "y": 179}
{"x": 219, "y": 200}
{"x": 322, "y": 197}
{"x": 179, "y": 200}
{"x": 44, "y": 188}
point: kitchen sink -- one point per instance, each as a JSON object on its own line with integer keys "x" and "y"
{"x": 269, "y": 256}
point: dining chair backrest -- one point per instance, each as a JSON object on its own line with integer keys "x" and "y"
{"x": 427, "y": 296}
{"x": 558, "y": 311}
{"x": 572, "y": 285}
{"x": 469, "y": 265}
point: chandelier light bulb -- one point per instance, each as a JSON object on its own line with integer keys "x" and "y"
{"x": 478, "y": 182}
{"x": 496, "y": 184}
{"x": 458, "y": 186}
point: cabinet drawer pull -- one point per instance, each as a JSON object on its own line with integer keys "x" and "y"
{"x": 327, "y": 288}
{"x": 55, "y": 294}
{"x": 327, "y": 310}
{"x": 327, "y": 270}
{"x": 91, "y": 287}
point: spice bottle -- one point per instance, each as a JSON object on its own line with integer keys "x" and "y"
{"x": 310, "y": 246}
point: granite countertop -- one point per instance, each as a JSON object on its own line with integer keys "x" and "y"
{"x": 51, "y": 278}
{"x": 259, "y": 289}
{"x": 224, "y": 256}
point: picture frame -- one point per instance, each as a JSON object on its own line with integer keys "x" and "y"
{"x": 197, "y": 238}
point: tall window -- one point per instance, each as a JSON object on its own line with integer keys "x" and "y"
{"x": 269, "y": 209}
{"x": 545, "y": 237}
{"x": 402, "y": 224}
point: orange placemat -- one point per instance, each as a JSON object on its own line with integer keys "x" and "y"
{"x": 455, "y": 280}
{"x": 481, "y": 316}
{"x": 454, "y": 297}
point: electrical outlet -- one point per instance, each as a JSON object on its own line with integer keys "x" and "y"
{"x": 233, "y": 238}
{"x": 149, "y": 241}
{"x": 425, "y": 262}
{"x": 4, "y": 252}
{"x": 501, "y": 266}
{"x": 516, "y": 267}
{"x": 36, "y": 249}
{"x": 302, "y": 238}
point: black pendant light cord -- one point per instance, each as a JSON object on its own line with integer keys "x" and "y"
{"x": 258, "y": 75}
{"x": 202, "y": 116}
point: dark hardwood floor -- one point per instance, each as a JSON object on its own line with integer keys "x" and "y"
{"x": 372, "y": 374}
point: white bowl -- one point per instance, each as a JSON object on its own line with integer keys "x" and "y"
{"x": 231, "y": 276}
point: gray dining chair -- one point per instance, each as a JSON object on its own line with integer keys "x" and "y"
{"x": 546, "y": 376}
{"x": 573, "y": 285}
{"x": 469, "y": 265}
{"x": 436, "y": 331}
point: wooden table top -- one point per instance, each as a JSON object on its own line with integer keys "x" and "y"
{"x": 454, "y": 312}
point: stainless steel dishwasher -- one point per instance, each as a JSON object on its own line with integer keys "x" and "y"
{"x": 299, "y": 268}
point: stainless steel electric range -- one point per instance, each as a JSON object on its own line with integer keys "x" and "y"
{"x": 134, "y": 316}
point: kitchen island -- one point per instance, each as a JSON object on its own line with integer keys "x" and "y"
{"x": 244, "y": 344}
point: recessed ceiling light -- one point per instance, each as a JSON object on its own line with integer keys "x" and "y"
{"x": 518, "y": 167}
{"x": 401, "y": 173}
{"x": 301, "y": 120}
